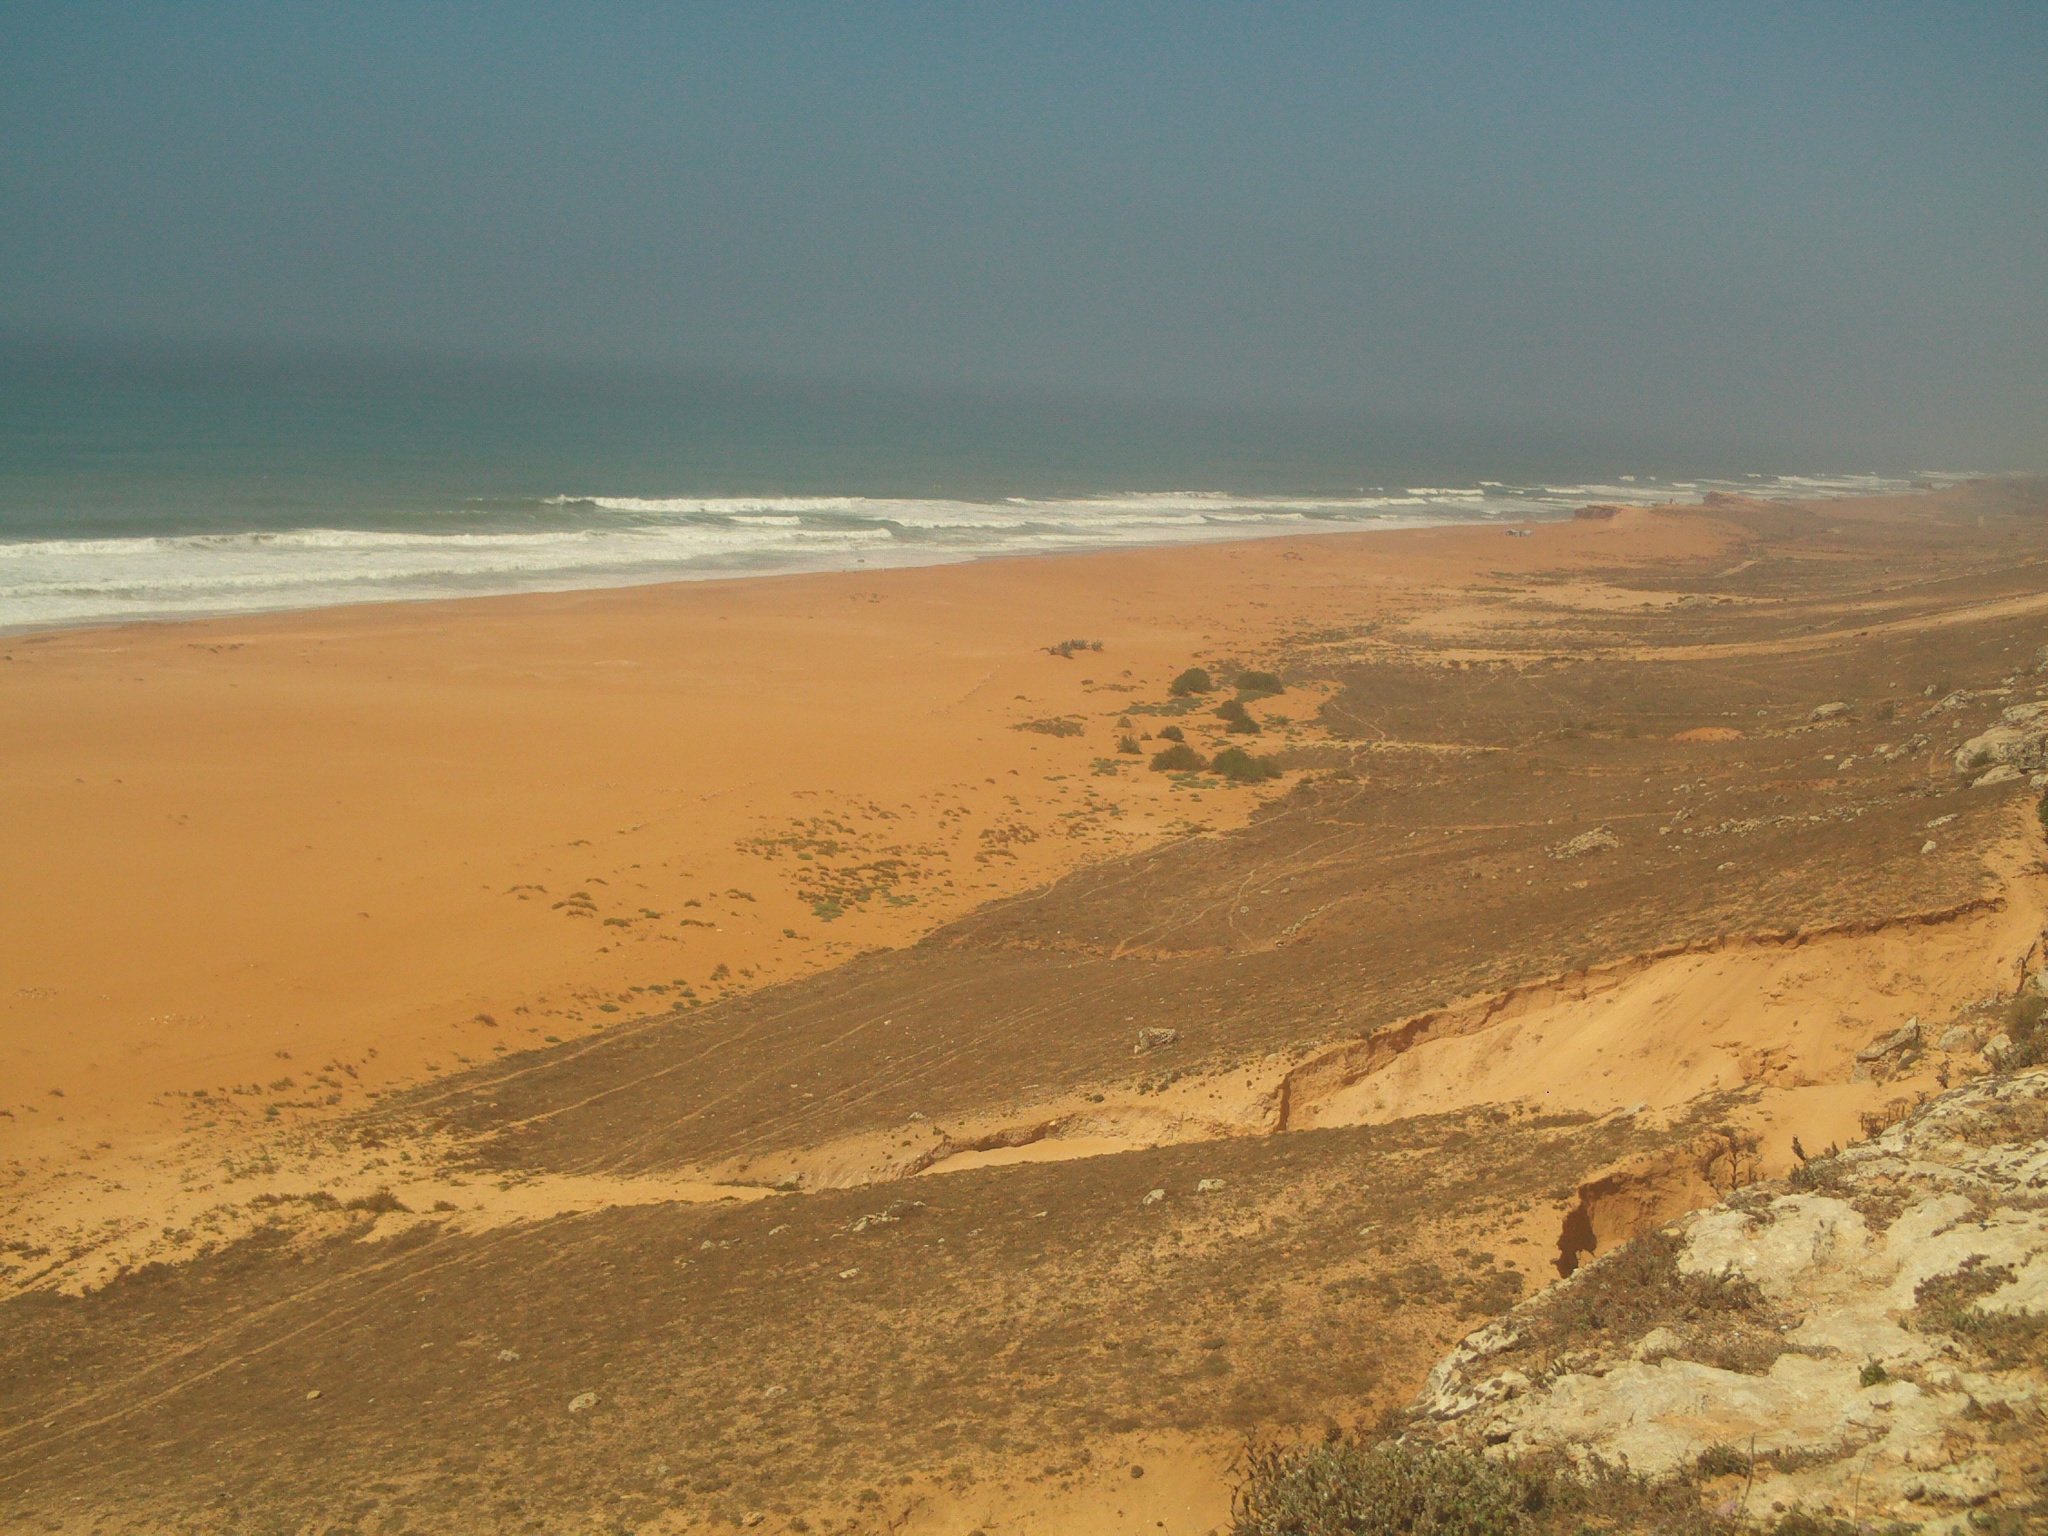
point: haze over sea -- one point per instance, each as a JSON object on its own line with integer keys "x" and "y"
{"x": 168, "y": 484}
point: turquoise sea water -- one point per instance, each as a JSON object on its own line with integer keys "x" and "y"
{"x": 157, "y": 485}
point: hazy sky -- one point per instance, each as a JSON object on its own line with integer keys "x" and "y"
{"x": 1825, "y": 223}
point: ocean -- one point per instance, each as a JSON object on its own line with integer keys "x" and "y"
{"x": 163, "y": 484}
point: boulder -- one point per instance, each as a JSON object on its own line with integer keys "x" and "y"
{"x": 1599, "y": 840}
{"x": 1907, "y": 1034}
{"x": 2017, "y": 746}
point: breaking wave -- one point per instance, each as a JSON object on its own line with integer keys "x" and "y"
{"x": 575, "y": 541}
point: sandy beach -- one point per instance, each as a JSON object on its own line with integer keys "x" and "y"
{"x": 354, "y": 847}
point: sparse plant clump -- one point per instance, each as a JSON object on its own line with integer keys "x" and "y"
{"x": 376, "y": 1204}
{"x": 1822, "y": 1173}
{"x": 1194, "y": 680}
{"x": 1128, "y": 746}
{"x": 1171, "y": 733}
{"x": 1948, "y": 1304}
{"x": 1179, "y": 758}
{"x": 1726, "y": 1319}
{"x": 1067, "y": 650}
{"x": 1063, "y": 725}
{"x": 1345, "y": 1488}
{"x": 2026, "y": 1023}
{"x": 1342, "y": 1488}
{"x": 1258, "y": 684}
{"x": 1722, "y": 1461}
{"x": 1240, "y": 767}
{"x": 1237, "y": 719}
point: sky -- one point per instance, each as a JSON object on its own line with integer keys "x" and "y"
{"x": 1797, "y": 223}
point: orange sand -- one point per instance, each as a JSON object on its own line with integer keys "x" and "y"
{"x": 335, "y": 846}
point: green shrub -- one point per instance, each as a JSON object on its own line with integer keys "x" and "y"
{"x": 1194, "y": 680}
{"x": 1179, "y": 758}
{"x": 1240, "y": 767}
{"x": 1064, "y": 725}
{"x": 2026, "y": 1020}
{"x": 1237, "y": 718}
{"x": 1172, "y": 733}
{"x": 1128, "y": 745}
{"x": 1257, "y": 683}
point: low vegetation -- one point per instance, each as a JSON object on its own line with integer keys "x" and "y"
{"x": 1240, "y": 767}
{"x": 1067, "y": 650}
{"x": 2026, "y": 1021}
{"x": 1194, "y": 680}
{"x": 1948, "y": 1304}
{"x": 376, "y": 1204}
{"x": 1063, "y": 725}
{"x": 1179, "y": 758}
{"x": 1254, "y": 685}
{"x": 1724, "y": 1321}
{"x": 1236, "y": 718}
{"x": 1346, "y": 1488}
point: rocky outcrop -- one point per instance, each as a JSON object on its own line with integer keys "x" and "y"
{"x": 2018, "y": 742}
{"x": 1864, "y": 1341}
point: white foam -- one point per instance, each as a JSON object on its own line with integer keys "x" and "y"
{"x": 46, "y": 583}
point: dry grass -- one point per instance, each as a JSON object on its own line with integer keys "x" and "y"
{"x": 1609, "y": 1304}
{"x": 1345, "y": 1488}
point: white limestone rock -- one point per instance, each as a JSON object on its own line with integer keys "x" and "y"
{"x": 1886, "y": 1414}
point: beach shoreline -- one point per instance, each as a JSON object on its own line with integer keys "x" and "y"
{"x": 252, "y": 564}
